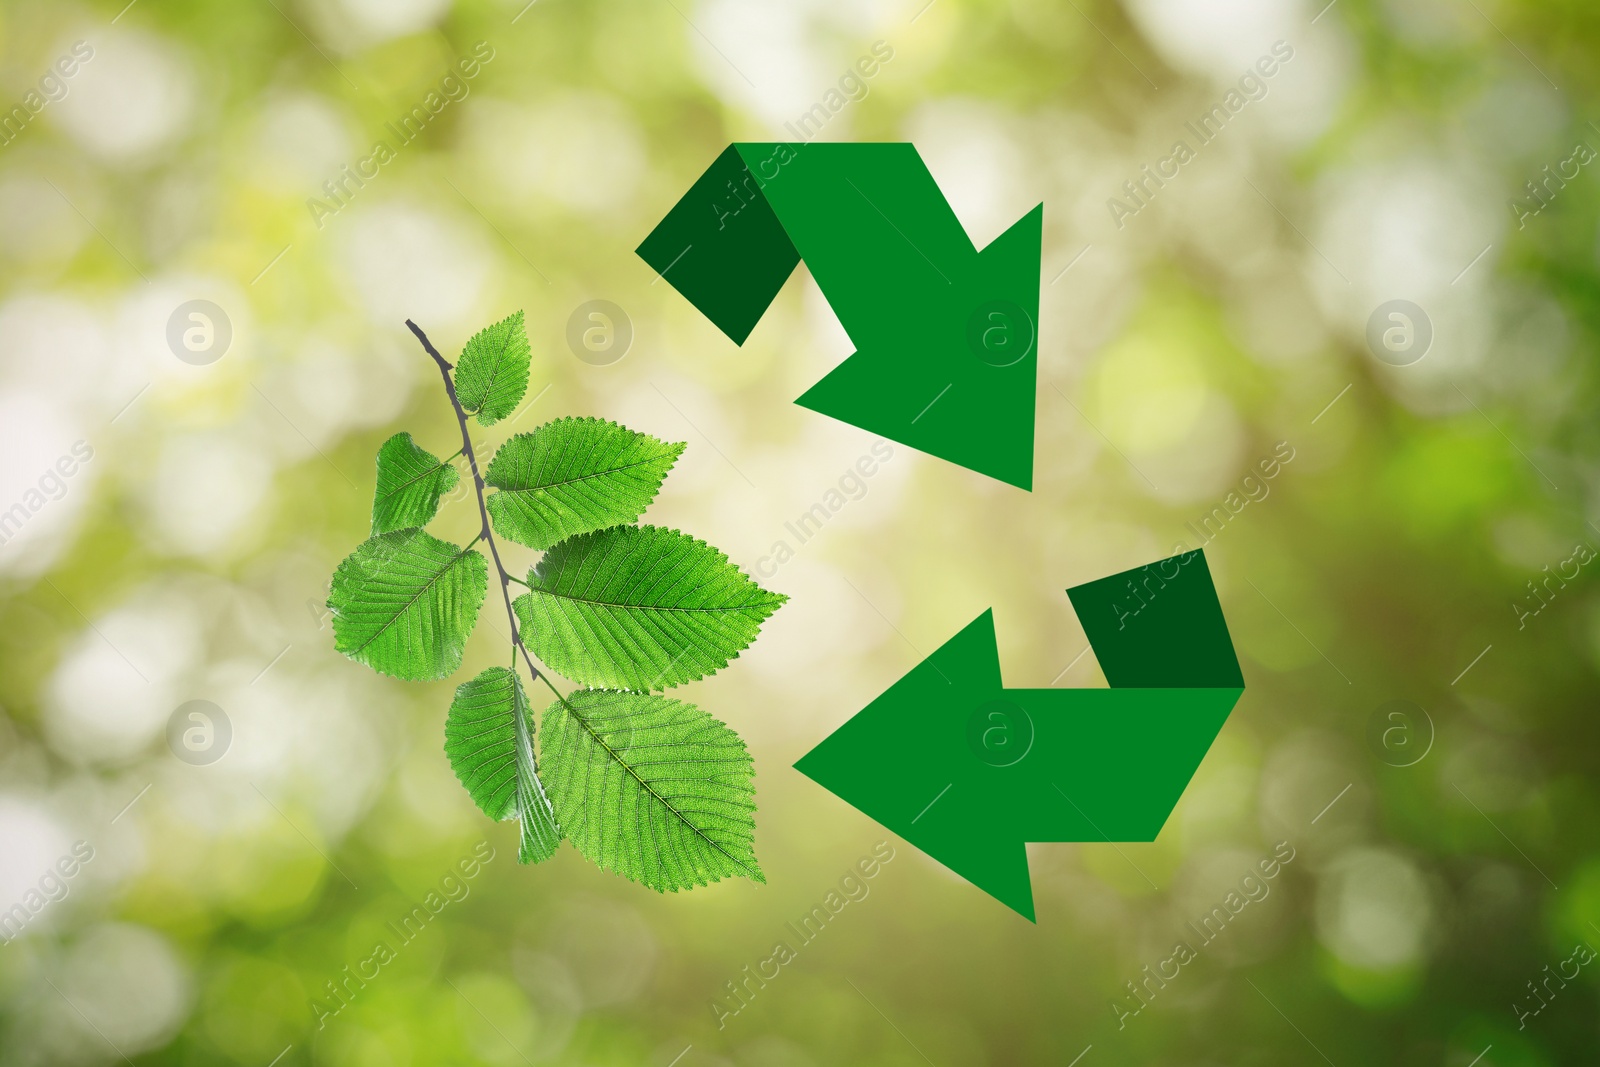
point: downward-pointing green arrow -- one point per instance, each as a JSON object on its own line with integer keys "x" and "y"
{"x": 969, "y": 771}
{"x": 945, "y": 334}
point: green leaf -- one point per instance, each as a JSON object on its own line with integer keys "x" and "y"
{"x": 652, "y": 788}
{"x": 410, "y": 483}
{"x": 572, "y": 476}
{"x": 488, "y": 737}
{"x": 404, "y": 603}
{"x": 492, "y": 373}
{"x": 640, "y": 607}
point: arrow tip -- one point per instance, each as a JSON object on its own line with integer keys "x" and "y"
{"x": 957, "y": 379}
{"x": 994, "y": 863}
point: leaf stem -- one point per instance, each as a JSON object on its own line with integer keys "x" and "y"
{"x": 564, "y": 703}
{"x": 487, "y": 531}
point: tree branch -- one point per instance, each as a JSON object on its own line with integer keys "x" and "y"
{"x": 487, "y": 532}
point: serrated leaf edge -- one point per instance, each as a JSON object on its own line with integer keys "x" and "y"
{"x": 782, "y": 598}
{"x": 754, "y": 872}
{"x": 524, "y": 750}
{"x": 350, "y": 653}
{"x": 443, "y": 464}
{"x": 676, "y": 447}
{"x": 477, "y": 412}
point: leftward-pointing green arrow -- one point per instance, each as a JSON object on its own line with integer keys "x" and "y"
{"x": 969, "y": 771}
{"x": 945, "y": 334}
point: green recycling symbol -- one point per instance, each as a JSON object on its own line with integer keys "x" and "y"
{"x": 948, "y": 757}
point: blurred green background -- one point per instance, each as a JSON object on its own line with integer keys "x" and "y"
{"x": 1446, "y": 862}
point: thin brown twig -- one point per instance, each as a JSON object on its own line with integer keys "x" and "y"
{"x": 487, "y": 532}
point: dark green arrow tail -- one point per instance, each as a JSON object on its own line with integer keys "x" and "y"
{"x": 1159, "y": 626}
{"x": 723, "y": 248}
